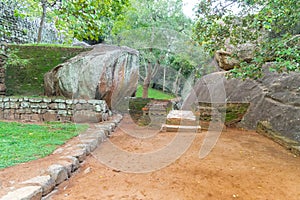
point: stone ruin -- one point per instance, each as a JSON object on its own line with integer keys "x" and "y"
{"x": 273, "y": 102}
{"x": 21, "y": 30}
{"x": 181, "y": 120}
{"x": 47, "y": 109}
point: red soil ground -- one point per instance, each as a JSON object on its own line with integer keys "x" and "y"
{"x": 242, "y": 165}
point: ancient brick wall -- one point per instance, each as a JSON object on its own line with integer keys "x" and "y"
{"x": 47, "y": 109}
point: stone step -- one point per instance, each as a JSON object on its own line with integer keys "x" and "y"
{"x": 179, "y": 128}
{"x": 182, "y": 118}
{"x": 181, "y": 122}
{"x": 212, "y": 126}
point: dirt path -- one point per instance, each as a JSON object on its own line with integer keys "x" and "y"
{"x": 243, "y": 165}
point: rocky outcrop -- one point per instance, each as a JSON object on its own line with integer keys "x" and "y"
{"x": 274, "y": 99}
{"x": 106, "y": 72}
{"x": 226, "y": 61}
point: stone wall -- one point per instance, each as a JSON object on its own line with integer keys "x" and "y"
{"x": 23, "y": 30}
{"x": 47, "y": 109}
{"x": 2, "y": 81}
{"x": 2, "y": 75}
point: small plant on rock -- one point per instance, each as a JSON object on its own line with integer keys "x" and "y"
{"x": 13, "y": 60}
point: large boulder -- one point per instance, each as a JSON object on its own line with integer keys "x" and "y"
{"x": 106, "y": 72}
{"x": 274, "y": 99}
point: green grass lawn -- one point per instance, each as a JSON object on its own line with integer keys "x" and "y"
{"x": 24, "y": 142}
{"x": 50, "y": 45}
{"x": 155, "y": 94}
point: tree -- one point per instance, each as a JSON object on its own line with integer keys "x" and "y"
{"x": 45, "y": 4}
{"x": 158, "y": 29}
{"x": 35, "y": 9}
{"x": 89, "y": 19}
{"x": 272, "y": 25}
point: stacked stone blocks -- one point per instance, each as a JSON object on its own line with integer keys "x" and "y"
{"x": 47, "y": 109}
{"x": 18, "y": 30}
{"x": 2, "y": 81}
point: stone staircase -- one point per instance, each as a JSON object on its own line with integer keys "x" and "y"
{"x": 157, "y": 108}
{"x": 155, "y": 112}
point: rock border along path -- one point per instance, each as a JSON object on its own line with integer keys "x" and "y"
{"x": 38, "y": 187}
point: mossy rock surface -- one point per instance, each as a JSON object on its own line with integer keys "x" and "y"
{"x": 232, "y": 113}
{"x": 235, "y": 112}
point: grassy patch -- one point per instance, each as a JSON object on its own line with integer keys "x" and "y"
{"x": 50, "y": 45}
{"x": 24, "y": 142}
{"x": 29, "y": 80}
{"x": 155, "y": 94}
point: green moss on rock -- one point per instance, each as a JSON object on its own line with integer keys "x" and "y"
{"x": 29, "y": 80}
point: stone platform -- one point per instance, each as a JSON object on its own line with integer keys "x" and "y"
{"x": 181, "y": 120}
{"x": 178, "y": 128}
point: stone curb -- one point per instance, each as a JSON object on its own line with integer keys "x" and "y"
{"x": 38, "y": 187}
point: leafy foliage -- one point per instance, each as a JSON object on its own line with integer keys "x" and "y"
{"x": 147, "y": 14}
{"x": 183, "y": 63}
{"x": 161, "y": 32}
{"x": 13, "y": 60}
{"x": 272, "y": 25}
{"x": 89, "y": 19}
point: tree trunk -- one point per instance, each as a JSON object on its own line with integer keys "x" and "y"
{"x": 39, "y": 39}
{"x": 175, "y": 84}
{"x": 147, "y": 80}
{"x": 164, "y": 81}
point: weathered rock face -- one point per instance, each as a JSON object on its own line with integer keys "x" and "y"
{"x": 225, "y": 61}
{"x": 275, "y": 99}
{"x": 106, "y": 72}
{"x": 245, "y": 52}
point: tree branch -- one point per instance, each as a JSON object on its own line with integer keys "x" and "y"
{"x": 141, "y": 77}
